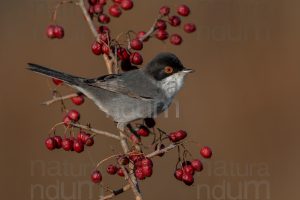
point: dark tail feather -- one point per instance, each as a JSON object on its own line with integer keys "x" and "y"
{"x": 73, "y": 80}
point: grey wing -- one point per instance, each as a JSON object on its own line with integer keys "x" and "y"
{"x": 134, "y": 84}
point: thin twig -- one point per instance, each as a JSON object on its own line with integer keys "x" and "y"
{"x": 98, "y": 132}
{"x": 151, "y": 30}
{"x": 164, "y": 150}
{"x": 56, "y": 99}
{"x": 131, "y": 177}
{"x": 116, "y": 192}
{"x": 89, "y": 21}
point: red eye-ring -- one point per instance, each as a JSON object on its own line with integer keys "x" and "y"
{"x": 168, "y": 70}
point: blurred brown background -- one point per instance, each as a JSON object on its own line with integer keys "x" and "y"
{"x": 243, "y": 101}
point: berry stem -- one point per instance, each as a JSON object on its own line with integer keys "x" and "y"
{"x": 151, "y": 30}
{"x": 54, "y": 14}
{"x": 106, "y": 159}
{"x": 61, "y": 98}
{"x": 98, "y": 132}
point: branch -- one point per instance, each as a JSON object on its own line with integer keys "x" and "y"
{"x": 116, "y": 192}
{"x": 110, "y": 66}
{"x": 164, "y": 150}
{"x": 131, "y": 177}
{"x": 98, "y": 132}
{"x": 108, "y": 62}
{"x": 61, "y": 98}
{"x": 151, "y": 30}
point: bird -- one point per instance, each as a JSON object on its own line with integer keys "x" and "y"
{"x": 137, "y": 94}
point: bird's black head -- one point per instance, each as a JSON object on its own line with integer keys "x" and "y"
{"x": 164, "y": 65}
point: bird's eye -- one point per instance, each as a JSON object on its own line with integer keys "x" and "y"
{"x": 168, "y": 70}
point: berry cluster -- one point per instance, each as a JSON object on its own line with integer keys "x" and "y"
{"x": 55, "y": 31}
{"x": 143, "y": 166}
{"x": 188, "y": 168}
{"x": 128, "y": 55}
{"x": 70, "y": 143}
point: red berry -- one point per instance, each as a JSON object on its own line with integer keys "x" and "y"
{"x": 59, "y": 32}
{"x": 150, "y": 122}
{"x": 74, "y": 115}
{"x": 140, "y": 35}
{"x": 78, "y": 100}
{"x": 143, "y": 131}
{"x": 136, "y": 44}
{"x": 89, "y": 142}
{"x": 161, "y": 34}
{"x": 57, "y": 81}
{"x": 134, "y": 139}
{"x": 67, "y": 144}
{"x": 50, "y": 31}
{"x": 67, "y": 121}
{"x": 189, "y": 28}
{"x": 180, "y": 135}
{"x": 135, "y": 156}
{"x": 97, "y": 48}
{"x": 161, "y": 25}
{"x": 206, "y": 152}
{"x": 172, "y": 137}
{"x": 98, "y": 8}
{"x": 58, "y": 141}
{"x": 102, "y": 2}
{"x": 115, "y": 11}
{"x": 174, "y": 20}
{"x": 103, "y": 29}
{"x": 91, "y": 11}
{"x": 164, "y": 10}
{"x": 188, "y": 179}
{"x": 78, "y": 146}
{"x": 50, "y": 143}
{"x": 175, "y": 39}
{"x": 103, "y": 18}
{"x": 118, "y": 1}
{"x": 81, "y": 136}
{"x": 127, "y": 4}
{"x": 136, "y": 58}
{"x": 160, "y": 147}
{"x": 188, "y": 169}
{"x": 96, "y": 176}
{"x": 183, "y": 10}
{"x": 120, "y": 172}
{"x": 147, "y": 170}
{"x": 104, "y": 37}
{"x": 123, "y": 54}
{"x": 139, "y": 174}
{"x": 147, "y": 162}
{"x": 85, "y": 137}
{"x": 178, "y": 174}
{"x": 105, "y": 49}
{"x": 138, "y": 163}
{"x": 197, "y": 165}
{"x": 111, "y": 169}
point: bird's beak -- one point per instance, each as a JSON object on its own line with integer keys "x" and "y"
{"x": 186, "y": 70}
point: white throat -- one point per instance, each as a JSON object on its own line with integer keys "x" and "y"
{"x": 172, "y": 84}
